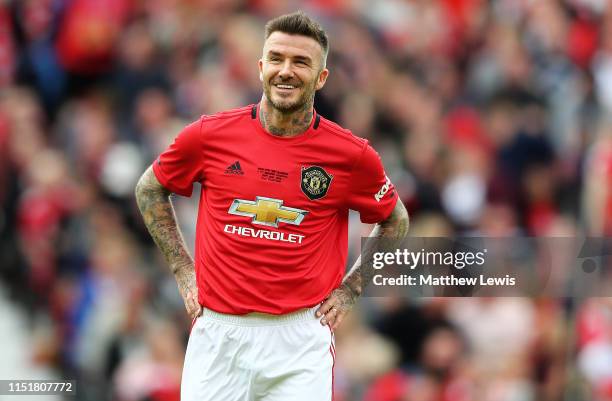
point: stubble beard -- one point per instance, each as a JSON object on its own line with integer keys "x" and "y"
{"x": 305, "y": 100}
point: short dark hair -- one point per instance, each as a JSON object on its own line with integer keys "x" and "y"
{"x": 298, "y": 23}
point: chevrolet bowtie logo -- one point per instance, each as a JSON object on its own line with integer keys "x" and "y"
{"x": 267, "y": 211}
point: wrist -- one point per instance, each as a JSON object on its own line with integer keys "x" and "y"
{"x": 354, "y": 291}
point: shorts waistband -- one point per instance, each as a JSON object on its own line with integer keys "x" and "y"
{"x": 261, "y": 319}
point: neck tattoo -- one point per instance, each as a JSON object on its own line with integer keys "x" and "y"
{"x": 294, "y": 124}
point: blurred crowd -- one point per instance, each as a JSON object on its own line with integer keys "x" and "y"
{"x": 493, "y": 118}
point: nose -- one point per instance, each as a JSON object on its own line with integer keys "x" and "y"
{"x": 286, "y": 70}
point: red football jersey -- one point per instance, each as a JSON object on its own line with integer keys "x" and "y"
{"x": 271, "y": 234}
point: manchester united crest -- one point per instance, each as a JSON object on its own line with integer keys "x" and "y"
{"x": 315, "y": 182}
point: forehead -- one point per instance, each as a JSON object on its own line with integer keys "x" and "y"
{"x": 292, "y": 45}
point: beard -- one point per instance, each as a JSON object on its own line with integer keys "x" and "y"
{"x": 287, "y": 106}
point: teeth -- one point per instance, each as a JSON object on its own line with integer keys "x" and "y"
{"x": 285, "y": 86}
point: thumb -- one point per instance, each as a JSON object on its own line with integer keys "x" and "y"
{"x": 189, "y": 303}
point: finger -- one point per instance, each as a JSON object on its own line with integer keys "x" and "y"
{"x": 192, "y": 305}
{"x": 325, "y": 306}
{"x": 190, "y": 311}
{"x": 338, "y": 320}
{"x": 330, "y": 316}
{"x": 197, "y": 308}
{"x": 194, "y": 300}
{"x": 189, "y": 302}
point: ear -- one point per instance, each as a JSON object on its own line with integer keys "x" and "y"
{"x": 322, "y": 78}
{"x": 260, "y": 64}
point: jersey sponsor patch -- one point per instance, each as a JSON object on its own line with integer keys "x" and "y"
{"x": 264, "y": 234}
{"x": 383, "y": 190}
{"x": 315, "y": 182}
{"x": 267, "y": 211}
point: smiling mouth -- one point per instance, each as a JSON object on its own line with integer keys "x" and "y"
{"x": 285, "y": 86}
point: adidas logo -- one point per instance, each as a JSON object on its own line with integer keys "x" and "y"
{"x": 234, "y": 169}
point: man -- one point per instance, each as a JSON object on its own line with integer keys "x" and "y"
{"x": 277, "y": 183}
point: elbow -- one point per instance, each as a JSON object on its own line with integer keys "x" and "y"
{"x": 405, "y": 226}
{"x": 403, "y": 222}
{"x": 144, "y": 187}
{"x": 396, "y": 226}
{"x": 138, "y": 189}
{"x": 138, "y": 194}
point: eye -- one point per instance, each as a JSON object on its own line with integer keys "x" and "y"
{"x": 274, "y": 59}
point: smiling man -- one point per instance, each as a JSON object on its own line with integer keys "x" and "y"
{"x": 267, "y": 287}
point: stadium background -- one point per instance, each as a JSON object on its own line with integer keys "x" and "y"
{"x": 492, "y": 117}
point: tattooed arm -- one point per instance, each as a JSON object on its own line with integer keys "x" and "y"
{"x": 159, "y": 218}
{"x": 342, "y": 299}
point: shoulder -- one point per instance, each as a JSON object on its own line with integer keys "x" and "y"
{"x": 342, "y": 136}
{"x": 223, "y": 117}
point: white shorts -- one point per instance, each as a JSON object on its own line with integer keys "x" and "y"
{"x": 259, "y": 357}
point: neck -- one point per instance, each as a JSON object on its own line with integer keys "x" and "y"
{"x": 285, "y": 124}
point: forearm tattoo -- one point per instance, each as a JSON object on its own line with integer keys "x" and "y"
{"x": 159, "y": 218}
{"x": 393, "y": 230}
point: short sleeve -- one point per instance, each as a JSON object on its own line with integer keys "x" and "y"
{"x": 180, "y": 165}
{"x": 371, "y": 193}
